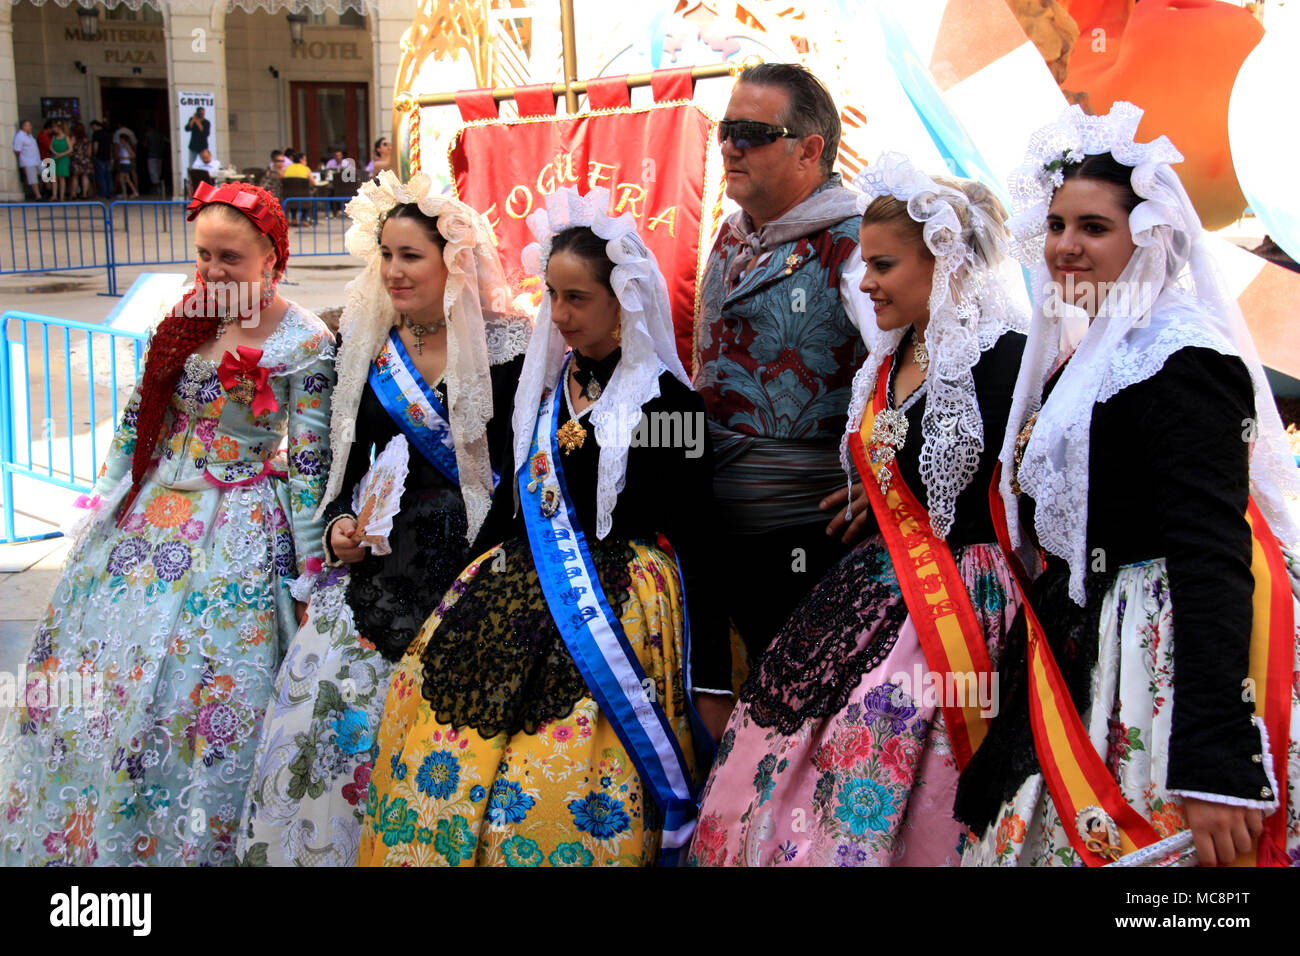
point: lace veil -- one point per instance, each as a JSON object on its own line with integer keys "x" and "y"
{"x": 970, "y": 308}
{"x": 479, "y": 332}
{"x": 1169, "y": 296}
{"x": 647, "y": 340}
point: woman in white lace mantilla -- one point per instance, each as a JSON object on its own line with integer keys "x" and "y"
{"x": 429, "y": 359}
{"x": 498, "y": 744}
{"x": 841, "y": 752}
{"x": 176, "y": 597}
{"x": 1142, "y": 425}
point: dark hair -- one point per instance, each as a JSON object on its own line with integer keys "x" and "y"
{"x": 410, "y": 210}
{"x": 1105, "y": 168}
{"x": 585, "y": 244}
{"x": 276, "y": 152}
{"x": 378, "y": 142}
{"x": 811, "y": 108}
{"x": 299, "y": 157}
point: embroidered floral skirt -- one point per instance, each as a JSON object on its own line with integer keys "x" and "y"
{"x": 512, "y": 763}
{"x": 1128, "y": 723}
{"x": 836, "y": 754}
{"x": 171, "y": 627}
{"x": 312, "y": 770}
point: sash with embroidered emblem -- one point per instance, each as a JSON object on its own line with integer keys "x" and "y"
{"x": 937, "y": 601}
{"x": 414, "y": 406}
{"x": 1101, "y": 824}
{"x": 594, "y": 635}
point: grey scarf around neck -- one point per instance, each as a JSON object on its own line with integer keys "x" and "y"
{"x": 828, "y": 204}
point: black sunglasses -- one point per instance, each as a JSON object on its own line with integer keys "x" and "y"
{"x": 749, "y": 134}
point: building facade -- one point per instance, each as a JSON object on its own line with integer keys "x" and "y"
{"x": 262, "y": 87}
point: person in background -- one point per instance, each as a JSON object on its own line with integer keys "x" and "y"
{"x": 382, "y": 159}
{"x": 81, "y": 166}
{"x": 154, "y": 150}
{"x": 124, "y": 167}
{"x": 43, "y": 143}
{"x": 102, "y": 158}
{"x": 199, "y": 128}
{"x": 338, "y": 160}
{"x": 208, "y": 164}
{"x": 274, "y": 174}
{"x": 298, "y": 169}
{"x": 124, "y": 132}
{"x": 61, "y": 153}
{"x": 29, "y": 160}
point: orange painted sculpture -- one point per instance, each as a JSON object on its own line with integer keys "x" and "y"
{"x": 1177, "y": 59}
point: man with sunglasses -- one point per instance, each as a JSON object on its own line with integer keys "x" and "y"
{"x": 777, "y": 344}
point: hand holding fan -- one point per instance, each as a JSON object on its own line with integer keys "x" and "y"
{"x": 379, "y": 494}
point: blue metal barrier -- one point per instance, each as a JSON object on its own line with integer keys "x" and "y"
{"x": 154, "y": 232}
{"x": 53, "y": 237}
{"x": 327, "y": 221}
{"x": 56, "y": 237}
{"x": 20, "y": 445}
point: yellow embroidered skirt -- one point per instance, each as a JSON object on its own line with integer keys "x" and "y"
{"x": 493, "y": 753}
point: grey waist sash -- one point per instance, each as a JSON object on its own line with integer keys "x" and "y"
{"x": 763, "y": 484}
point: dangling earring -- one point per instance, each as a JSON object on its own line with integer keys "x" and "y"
{"x": 618, "y": 328}
{"x": 268, "y": 290}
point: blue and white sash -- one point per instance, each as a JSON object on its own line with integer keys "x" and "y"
{"x": 414, "y": 406}
{"x": 594, "y": 635}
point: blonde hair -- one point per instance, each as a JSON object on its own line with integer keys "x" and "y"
{"x": 981, "y": 214}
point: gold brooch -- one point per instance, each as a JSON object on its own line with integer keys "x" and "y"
{"x": 792, "y": 260}
{"x": 243, "y": 390}
{"x": 570, "y": 435}
{"x": 1022, "y": 442}
{"x": 1098, "y": 832}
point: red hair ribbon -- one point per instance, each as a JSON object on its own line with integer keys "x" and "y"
{"x": 246, "y": 382}
{"x": 262, "y": 209}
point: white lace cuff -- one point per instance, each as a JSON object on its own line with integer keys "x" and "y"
{"x": 302, "y": 586}
{"x": 709, "y": 690}
{"x": 1264, "y": 803}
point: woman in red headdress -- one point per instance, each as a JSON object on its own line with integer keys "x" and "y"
{"x": 132, "y": 739}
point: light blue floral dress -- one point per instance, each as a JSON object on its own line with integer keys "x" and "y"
{"x": 147, "y": 680}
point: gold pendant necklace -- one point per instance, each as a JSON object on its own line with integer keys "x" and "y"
{"x": 571, "y": 434}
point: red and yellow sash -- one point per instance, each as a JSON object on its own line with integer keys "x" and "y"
{"x": 1076, "y": 775}
{"x": 950, "y": 634}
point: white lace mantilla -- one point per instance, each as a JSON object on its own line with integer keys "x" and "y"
{"x": 969, "y": 310}
{"x": 647, "y": 338}
{"x": 1169, "y": 296}
{"x": 477, "y": 337}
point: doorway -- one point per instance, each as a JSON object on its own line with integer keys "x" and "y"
{"x": 142, "y": 107}
{"x": 329, "y": 116}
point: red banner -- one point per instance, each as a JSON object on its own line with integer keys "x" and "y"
{"x": 653, "y": 162}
